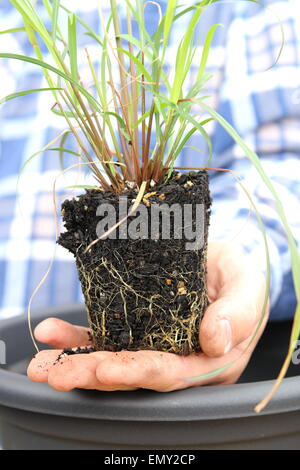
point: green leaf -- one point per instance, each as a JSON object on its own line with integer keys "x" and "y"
{"x": 141, "y": 119}
{"x": 198, "y": 85}
{"x": 123, "y": 127}
{"x": 95, "y": 37}
{"x": 198, "y": 126}
{"x": 13, "y": 30}
{"x": 72, "y": 42}
{"x": 206, "y": 49}
{"x": 61, "y": 149}
{"x": 24, "y": 93}
{"x": 136, "y": 42}
{"x": 31, "y": 17}
{"x": 64, "y": 150}
{"x": 168, "y": 21}
{"x": 183, "y": 57}
{"x": 56, "y": 4}
{"x": 90, "y": 31}
{"x": 139, "y": 64}
{"x": 66, "y": 77}
{"x": 187, "y": 138}
{"x": 63, "y": 113}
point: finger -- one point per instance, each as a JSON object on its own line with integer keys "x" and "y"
{"x": 240, "y": 355}
{"x": 45, "y": 367}
{"x": 40, "y": 365}
{"x": 140, "y": 369}
{"x": 60, "y": 334}
{"x": 234, "y": 315}
{"x": 78, "y": 371}
{"x": 158, "y": 371}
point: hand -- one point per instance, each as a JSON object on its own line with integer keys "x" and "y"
{"x": 237, "y": 294}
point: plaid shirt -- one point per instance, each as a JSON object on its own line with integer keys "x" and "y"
{"x": 262, "y": 103}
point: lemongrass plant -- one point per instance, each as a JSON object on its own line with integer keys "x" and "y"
{"x": 113, "y": 124}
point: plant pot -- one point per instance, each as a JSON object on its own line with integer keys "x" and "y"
{"x": 144, "y": 285}
{"x": 33, "y": 416}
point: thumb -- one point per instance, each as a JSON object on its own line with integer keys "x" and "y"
{"x": 232, "y": 318}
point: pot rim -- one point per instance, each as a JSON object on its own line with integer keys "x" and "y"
{"x": 192, "y": 404}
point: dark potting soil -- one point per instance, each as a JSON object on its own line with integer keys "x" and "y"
{"x": 71, "y": 352}
{"x": 141, "y": 293}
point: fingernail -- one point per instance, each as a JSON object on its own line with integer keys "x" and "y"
{"x": 227, "y": 332}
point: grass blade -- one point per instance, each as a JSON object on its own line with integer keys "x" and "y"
{"x": 168, "y": 21}
{"x": 24, "y": 93}
{"x": 62, "y": 149}
{"x": 56, "y": 5}
{"x": 139, "y": 65}
{"x": 182, "y": 61}
{"x": 206, "y": 49}
{"x": 294, "y": 337}
{"x": 72, "y": 42}
{"x": 66, "y": 77}
{"x": 199, "y": 126}
{"x": 13, "y": 30}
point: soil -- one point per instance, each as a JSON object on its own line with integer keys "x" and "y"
{"x": 141, "y": 293}
{"x": 71, "y": 352}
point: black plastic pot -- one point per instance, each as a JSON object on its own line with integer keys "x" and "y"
{"x": 33, "y": 416}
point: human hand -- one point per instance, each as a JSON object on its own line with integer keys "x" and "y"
{"x": 237, "y": 294}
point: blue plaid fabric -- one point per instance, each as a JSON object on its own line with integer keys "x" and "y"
{"x": 260, "y": 101}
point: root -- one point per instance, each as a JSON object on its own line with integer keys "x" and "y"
{"x": 124, "y": 315}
